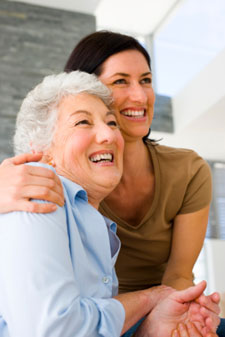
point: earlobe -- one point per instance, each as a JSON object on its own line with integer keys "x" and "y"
{"x": 47, "y": 158}
{"x": 52, "y": 163}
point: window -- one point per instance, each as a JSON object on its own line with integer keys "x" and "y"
{"x": 216, "y": 227}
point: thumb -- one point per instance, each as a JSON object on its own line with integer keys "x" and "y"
{"x": 190, "y": 294}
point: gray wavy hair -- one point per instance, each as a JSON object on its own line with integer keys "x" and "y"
{"x": 38, "y": 114}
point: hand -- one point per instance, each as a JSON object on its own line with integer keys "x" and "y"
{"x": 210, "y": 309}
{"x": 176, "y": 308}
{"x": 205, "y": 320}
{"x": 19, "y": 183}
{"x": 189, "y": 330}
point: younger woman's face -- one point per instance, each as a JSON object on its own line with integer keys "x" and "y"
{"x": 128, "y": 75}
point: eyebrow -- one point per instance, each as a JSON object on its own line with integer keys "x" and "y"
{"x": 127, "y": 75}
{"x": 77, "y": 112}
{"x": 80, "y": 112}
{"x": 109, "y": 112}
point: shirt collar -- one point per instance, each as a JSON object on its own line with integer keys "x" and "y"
{"x": 110, "y": 224}
{"x": 73, "y": 190}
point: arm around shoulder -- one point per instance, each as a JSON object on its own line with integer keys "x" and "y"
{"x": 19, "y": 183}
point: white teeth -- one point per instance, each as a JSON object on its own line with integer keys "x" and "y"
{"x": 134, "y": 113}
{"x": 102, "y": 156}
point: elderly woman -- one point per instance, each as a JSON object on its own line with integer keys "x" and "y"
{"x": 57, "y": 273}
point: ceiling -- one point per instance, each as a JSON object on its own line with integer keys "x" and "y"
{"x": 188, "y": 37}
{"x": 119, "y": 15}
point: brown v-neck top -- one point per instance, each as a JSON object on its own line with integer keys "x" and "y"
{"x": 182, "y": 185}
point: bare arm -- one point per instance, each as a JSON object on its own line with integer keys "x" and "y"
{"x": 137, "y": 304}
{"x": 188, "y": 237}
{"x": 19, "y": 183}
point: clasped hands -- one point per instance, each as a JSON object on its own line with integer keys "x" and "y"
{"x": 186, "y": 313}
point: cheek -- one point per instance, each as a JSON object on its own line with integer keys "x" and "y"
{"x": 120, "y": 142}
{"x": 151, "y": 97}
{"x": 78, "y": 144}
{"x": 118, "y": 97}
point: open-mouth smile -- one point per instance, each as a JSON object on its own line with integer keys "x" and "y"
{"x": 139, "y": 113}
{"x": 106, "y": 157}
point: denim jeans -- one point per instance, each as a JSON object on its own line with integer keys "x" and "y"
{"x": 221, "y": 328}
{"x": 132, "y": 330}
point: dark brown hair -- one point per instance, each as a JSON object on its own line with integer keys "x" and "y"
{"x": 90, "y": 53}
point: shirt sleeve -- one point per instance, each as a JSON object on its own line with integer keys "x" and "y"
{"x": 38, "y": 293}
{"x": 199, "y": 189}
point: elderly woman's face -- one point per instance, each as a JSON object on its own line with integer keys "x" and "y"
{"x": 87, "y": 146}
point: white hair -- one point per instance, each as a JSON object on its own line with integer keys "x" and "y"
{"x": 38, "y": 114}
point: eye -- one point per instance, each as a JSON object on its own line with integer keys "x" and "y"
{"x": 82, "y": 122}
{"x": 120, "y": 81}
{"x": 113, "y": 123}
{"x": 146, "y": 80}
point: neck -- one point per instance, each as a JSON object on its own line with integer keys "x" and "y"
{"x": 95, "y": 192}
{"x": 94, "y": 202}
{"x": 136, "y": 159}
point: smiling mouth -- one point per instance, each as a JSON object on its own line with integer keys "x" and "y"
{"x": 134, "y": 113}
{"x": 102, "y": 158}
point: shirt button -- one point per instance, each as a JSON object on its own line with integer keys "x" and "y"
{"x": 105, "y": 279}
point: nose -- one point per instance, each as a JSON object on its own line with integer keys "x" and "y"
{"x": 137, "y": 93}
{"x": 105, "y": 134}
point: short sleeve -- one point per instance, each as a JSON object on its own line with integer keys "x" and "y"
{"x": 199, "y": 188}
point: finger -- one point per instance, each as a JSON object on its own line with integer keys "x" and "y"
{"x": 195, "y": 313}
{"x": 210, "y": 302}
{"x": 26, "y": 158}
{"x": 29, "y": 206}
{"x": 192, "y": 330}
{"x": 211, "y": 320}
{"x": 53, "y": 184}
{"x": 182, "y": 330}
{"x": 175, "y": 333}
{"x": 191, "y": 293}
{"x": 43, "y": 193}
{"x": 38, "y": 183}
{"x": 53, "y": 181}
{"x": 215, "y": 297}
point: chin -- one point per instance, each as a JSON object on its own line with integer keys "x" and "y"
{"x": 111, "y": 182}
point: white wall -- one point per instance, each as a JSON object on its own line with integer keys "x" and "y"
{"x": 201, "y": 94}
{"x": 215, "y": 269}
{"x": 199, "y": 113}
{"x": 215, "y": 264}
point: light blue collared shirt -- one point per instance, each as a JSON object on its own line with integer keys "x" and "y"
{"x": 57, "y": 272}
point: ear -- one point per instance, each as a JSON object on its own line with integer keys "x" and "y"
{"x": 48, "y": 158}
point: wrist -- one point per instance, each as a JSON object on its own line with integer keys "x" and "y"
{"x": 157, "y": 294}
